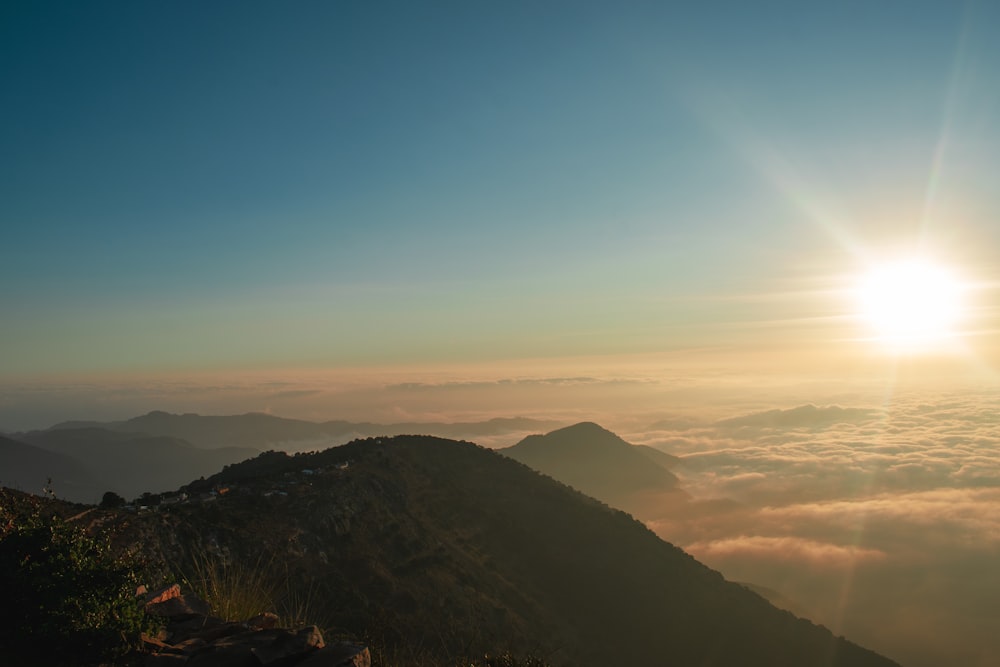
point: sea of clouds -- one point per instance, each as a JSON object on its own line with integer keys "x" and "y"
{"x": 881, "y": 522}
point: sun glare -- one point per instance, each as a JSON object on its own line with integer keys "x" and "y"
{"x": 910, "y": 305}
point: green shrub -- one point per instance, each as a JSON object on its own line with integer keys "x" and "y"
{"x": 67, "y": 598}
{"x": 111, "y": 500}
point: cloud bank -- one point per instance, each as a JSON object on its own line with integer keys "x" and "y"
{"x": 881, "y": 520}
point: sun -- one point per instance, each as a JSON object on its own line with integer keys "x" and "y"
{"x": 910, "y": 305}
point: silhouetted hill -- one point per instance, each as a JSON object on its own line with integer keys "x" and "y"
{"x": 29, "y": 468}
{"x": 455, "y": 549}
{"x": 132, "y": 463}
{"x": 264, "y": 431}
{"x": 597, "y": 462}
{"x": 248, "y": 430}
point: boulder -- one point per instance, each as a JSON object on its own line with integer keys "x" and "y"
{"x": 288, "y": 644}
{"x": 195, "y": 639}
{"x": 162, "y": 595}
{"x": 182, "y": 629}
{"x": 264, "y": 621}
{"x": 343, "y": 654}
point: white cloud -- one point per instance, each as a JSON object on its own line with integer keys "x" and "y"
{"x": 886, "y": 526}
{"x": 784, "y": 549}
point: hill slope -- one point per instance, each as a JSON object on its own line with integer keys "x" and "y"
{"x": 133, "y": 463}
{"x": 27, "y": 467}
{"x": 453, "y": 548}
{"x": 597, "y": 462}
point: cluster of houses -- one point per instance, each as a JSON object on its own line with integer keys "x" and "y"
{"x": 151, "y": 502}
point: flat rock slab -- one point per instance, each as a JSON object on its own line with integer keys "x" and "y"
{"x": 236, "y": 645}
{"x": 165, "y": 660}
{"x": 162, "y": 595}
{"x": 288, "y": 643}
{"x": 196, "y": 639}
{"x": 339, "y": 655}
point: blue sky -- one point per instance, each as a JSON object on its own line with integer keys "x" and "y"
{"x": 244, "y": 185}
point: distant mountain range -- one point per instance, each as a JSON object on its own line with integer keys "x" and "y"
{"x": 803, "y": 416}
{"x": 131, "y": 463}
{"x": 263, "y": 431}
{"x": 458, "y": 550}
{"x": 160, "y": 451}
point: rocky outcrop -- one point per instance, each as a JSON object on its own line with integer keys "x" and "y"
{"x": 193, "y": 637}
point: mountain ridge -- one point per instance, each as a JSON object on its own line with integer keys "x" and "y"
{"x": 452, "y": 545}
{"x": 266, "y": 431}
{"x": 132, "y": 463}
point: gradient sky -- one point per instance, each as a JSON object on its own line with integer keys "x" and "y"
{"x": 646, "y": 214}
{"x": 190, "y": 187}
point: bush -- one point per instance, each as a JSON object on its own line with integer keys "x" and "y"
{"x": 67, "y": 598}
{"x": 112, "y": 500}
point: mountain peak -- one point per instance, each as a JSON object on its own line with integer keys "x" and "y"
{"x": 154, "y": 413}
{"x": 582, "y": 428}
{"x": 594, "y": 460}
{"x": 578, "y": 436}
